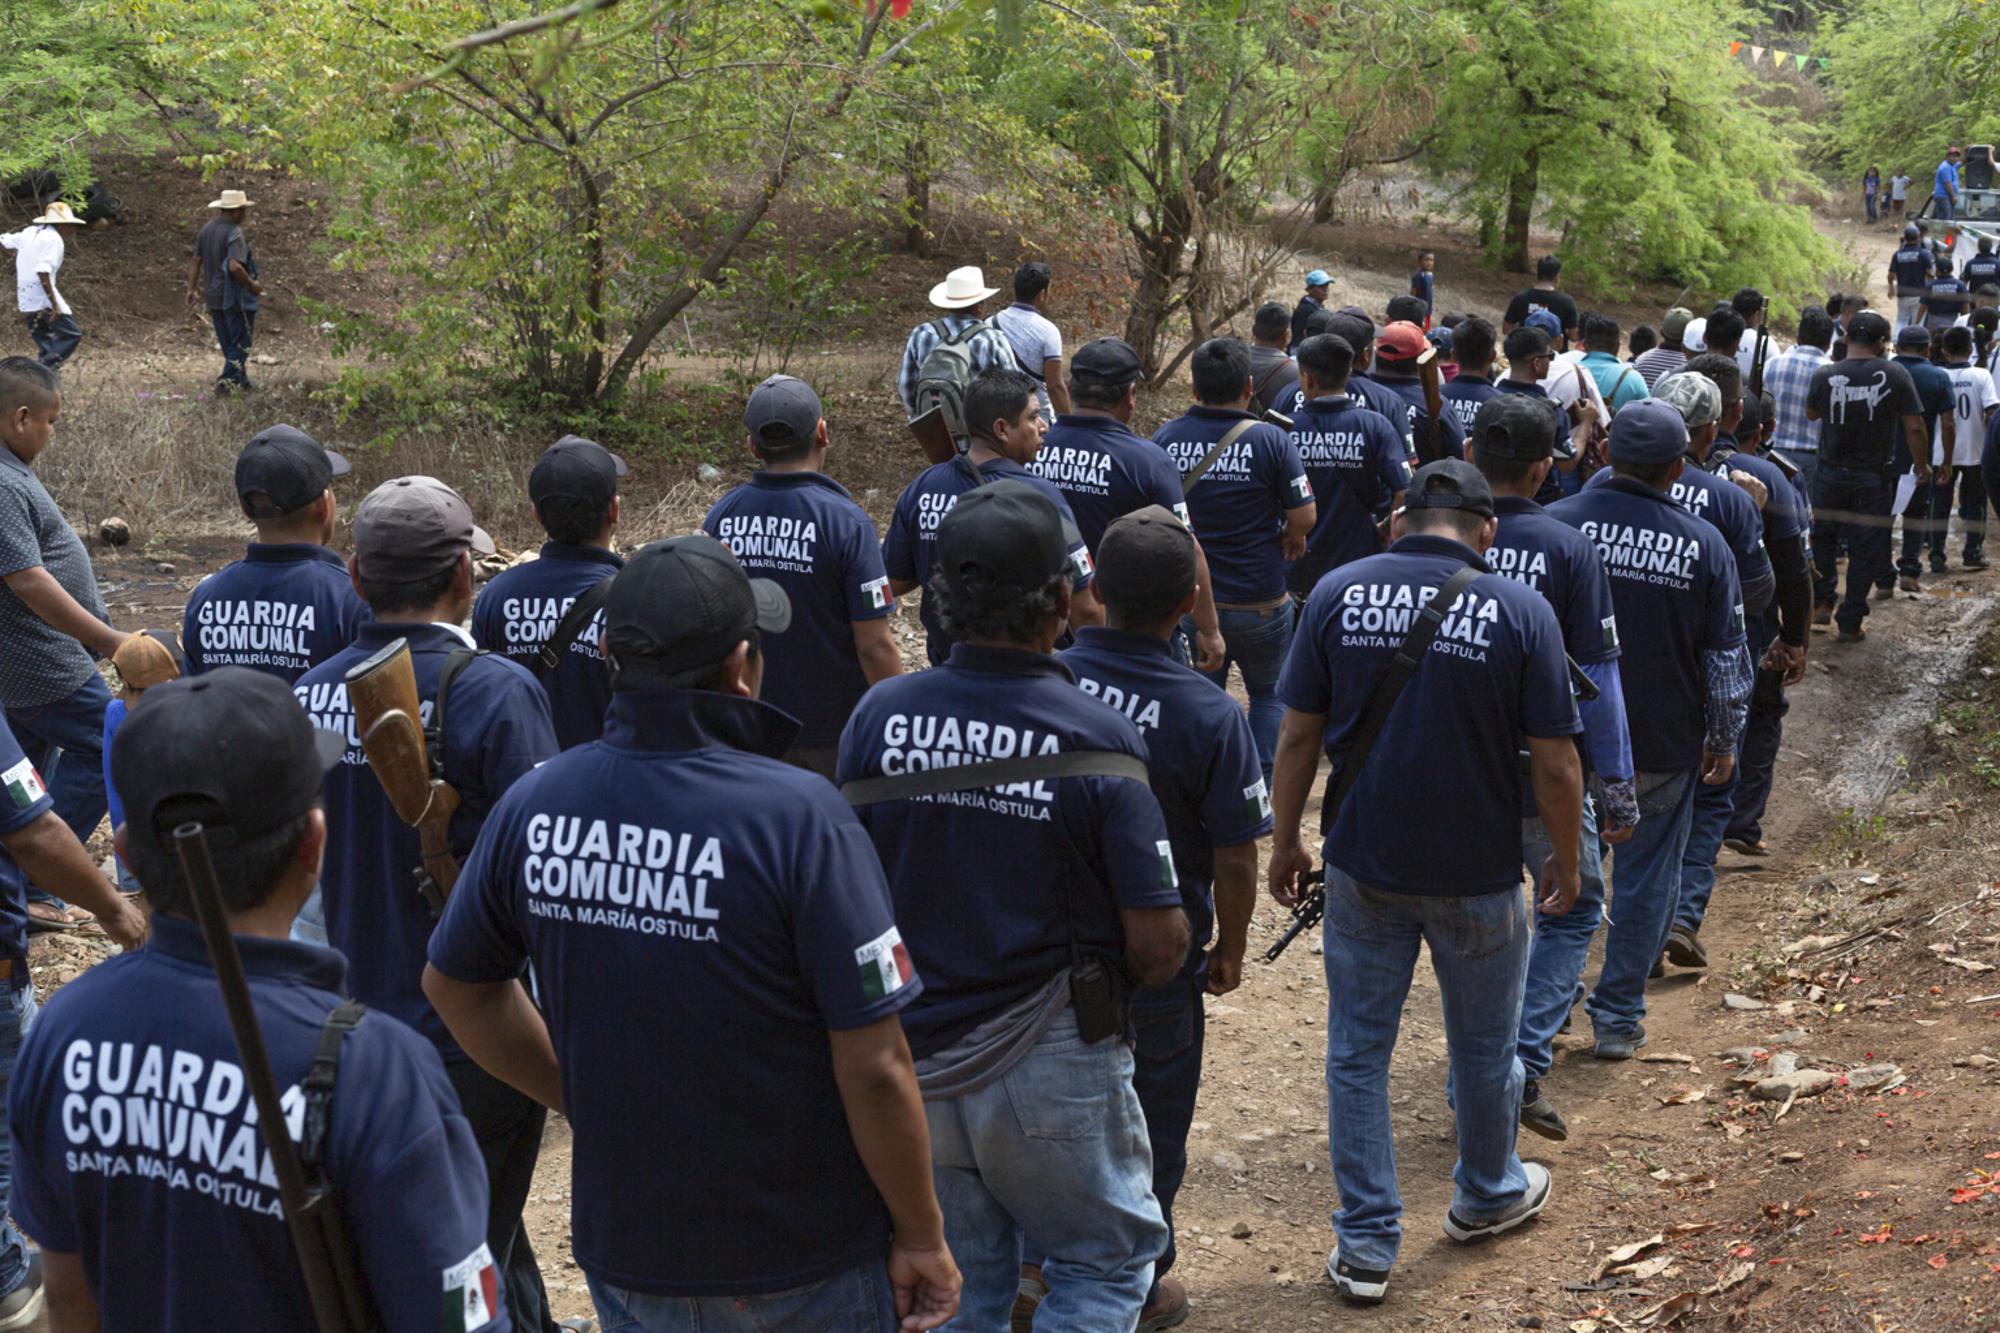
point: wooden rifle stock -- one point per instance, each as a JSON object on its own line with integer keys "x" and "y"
{"x": 934, "y": 437}
{"x": 387, "y": 714}
{"x": 319, "y": 1235}
{"x": 1432, "y": 448}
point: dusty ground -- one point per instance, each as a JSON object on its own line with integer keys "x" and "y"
{"x": 1864, "y": 936}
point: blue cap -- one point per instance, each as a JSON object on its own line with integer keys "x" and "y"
{"x": 1319, "y": 277}
{"x": 1648, "y": 431}
{"x": 1546, "y": 322}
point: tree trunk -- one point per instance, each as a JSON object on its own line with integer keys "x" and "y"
{"x": 1146, "y": 317}
{"x": 1521, "y": 189}
{"x": 1322, "y": 208}
{"x": 917, "y": 196}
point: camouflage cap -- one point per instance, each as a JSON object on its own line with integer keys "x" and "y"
{"x": 1694, "y": 396}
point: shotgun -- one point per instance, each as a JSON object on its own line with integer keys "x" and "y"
{"x": 934, "y": 436}
{"x": 319, "y": 1235}
{"x": 383, "y": 694}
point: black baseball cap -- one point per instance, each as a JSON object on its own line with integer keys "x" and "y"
{"x": 230, "y": 748}
{"x": 1450, "y": 483}
{"x": 1913, "y": 335}
{"x": 1109, "y": 361}
{"x": 1516, "y": 427}
{"x": 1145, "y": 558}
{"x": 574, "y": 468}
{"x": 1868, "y": 327}
{"x": 683, "y": 604}
{"x": 1001, "y": 542}
{"x": 1353, "y": 325}
{"x": 288, "y": 467}
{"x": 410, "y": 528}
{"x": 782, "y": 412}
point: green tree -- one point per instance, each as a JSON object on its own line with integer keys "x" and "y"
{"x": 1909, "y": 78}
{"x": 1633, "y": 137}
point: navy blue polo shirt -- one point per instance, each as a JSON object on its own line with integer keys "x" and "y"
{"x": 1944, "y": 301}
{"x": 1462, "y": 397}
{"x": 988, "y": 884}
{"x": 1982, "y": 270}
{"x": 1379, "y": 397}
{"x": 699, "y": 915}
{"x": 1675, "y": 591}
{"x": 805, "y": 533}
{"x": 1934, "y": 399}
{"x": 1410, "y": 390}
{"x": 518, "y": 612}
{"x": 911, "y": 541}
{"x": 1552, "y": 485}
{"x": 1784, "y": 514}
{"x": 1723, "y": 504}
{"x": 1910, "y": 268}
{"x": 1239, "y": 504}
{"x": 1494, "y": 673}
{"x": 24, "y": 798}
{"x": 496, "y": 728}
{"x": 1536, "y": 549}
{"x": 1355, "y": 464}
{"x": 282, "y": 609}
{"x": 1204, "y": 766}
{"x": 1106, "y": 471}
{"x": 130, "y": 1119}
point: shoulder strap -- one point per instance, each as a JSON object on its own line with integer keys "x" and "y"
{"x": 1618, "y": 384}
{"x": 1409, "y": 654}
{"x": 318, "y": 1085}
{"x": 1229, "y": 437}
{"x": 568, "y": 629}
{"x": 1257, "y": 389}
{"x": 996, "y": 773}
{"x": 455, "y": 664}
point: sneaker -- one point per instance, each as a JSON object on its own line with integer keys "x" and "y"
{"x": 1822, "y": 615}
{"x": 1539, "y": 1114}
{"x": 1620, "y": 1046}
{"x": 1910, "y": 583}
{"x": 1540, "y": 1185}
{"x": 1938, "y": 567}
{"x": 1885, "y": 592}
{"x": 1167, "y": 1309}
{"x": 577, "y": 1324}
{"x": 1358, "y": 1286}
{"x": 1684, "y": 950}
{"x": 1973, "y": 560}
{"x": 1659, "y": 968}
{"x": 1855, "y": 635}
{"x": 1028, "y": 1298}
{"x": 1747, "y": 847}
{"x": 22, "y": 1307}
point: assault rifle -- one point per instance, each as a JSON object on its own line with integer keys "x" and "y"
{"x": 1763, "y": 351}
{"x": 1306, "y": 913}
{"x": 319, "y": 1235}
{"x": 383, "y": 694}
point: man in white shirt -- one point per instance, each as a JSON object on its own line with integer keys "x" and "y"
{"x": 1037, "y": 342}
{"x": 38, "y": 255}
{"x": 1973, "y": 397}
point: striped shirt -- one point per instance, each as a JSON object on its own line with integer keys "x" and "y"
{"x": 1656, "y": 363}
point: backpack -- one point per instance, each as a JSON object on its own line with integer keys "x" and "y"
{"x": 945, "y": 372}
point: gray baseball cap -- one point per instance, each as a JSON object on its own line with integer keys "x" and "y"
{"x": 782, "y": 411}
{"x": 1695, "y": 396}
{"x": 410, "y": 528}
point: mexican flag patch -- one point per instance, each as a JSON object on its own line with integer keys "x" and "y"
{"x": 1257, "y": 800}
{"x": 23, "y": 784}
{"x": 471, "y": 1292}
{"x": 885, "y": 964}
{"x": 1610, "y": 624}
{"x": 1301, "y": 488}
{"x": 1169, "y": 877}
{"x": 1081, "y": 566}
{"x": 1181, "y": 513}
{"x": 878, "y": 593}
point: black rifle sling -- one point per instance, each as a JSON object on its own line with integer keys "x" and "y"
{"x": 570, "y": 628}
{"x": 1409, "y": 654}
{"x": 455, "y": 664}
{"x": 996, "y": 773}
{"x": 318, "y": 1085}
{"x": 1229, "y": 437}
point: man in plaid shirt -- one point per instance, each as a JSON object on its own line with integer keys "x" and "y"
{"x": 961, "y": 295}
{"x": 1787, "y": 379}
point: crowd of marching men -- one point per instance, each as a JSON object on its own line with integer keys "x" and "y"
{"x": 875, "y": 998}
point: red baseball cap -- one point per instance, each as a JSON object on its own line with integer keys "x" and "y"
{"x": 1404, "y": 341}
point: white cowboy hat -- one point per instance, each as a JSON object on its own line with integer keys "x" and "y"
{"x": 961, "y": 287}
{"x": 59, "y": 215}
{"x": 231, "y": 199}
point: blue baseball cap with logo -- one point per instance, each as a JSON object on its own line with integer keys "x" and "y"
{"x": 1319, "y": 277}
{"x": 1648, "y": 432}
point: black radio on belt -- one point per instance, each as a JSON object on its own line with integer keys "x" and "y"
{"x": 1097, "y": 988}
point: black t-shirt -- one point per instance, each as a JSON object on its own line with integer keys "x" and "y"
{"x": 1528, "y": 302}
{"x": 1860, "y": 401}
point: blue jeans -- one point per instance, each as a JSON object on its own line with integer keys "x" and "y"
{"x": 1479, "y": 951}
{"x": 13, "y": 1031}
{"x": 1055, "y": 1149}
{"x": 1645, "y": 888}
{"x": 232, "y": 339}
{"x": 1970, "y": 485}
{"x": 1757, "y": 756}
{"x": 65, "y": 741}
{"x": 1256, "y": 641}
{"x": 55, "y": 339}
{"x": 857, "y": 1301}
{"x": 1561, "y": 944}
{"x": 1850, "y": 504}
{"x": 1869, "y": 196}
{"x": 1941, "y": 207}
{"x": 1166, "y": 1073}
{"x": 1714, "y": 807}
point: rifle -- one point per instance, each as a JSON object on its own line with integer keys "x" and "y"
{"x": 1306, "y": 913}
{"x": 383, "y": 692}
{"x": 326, "y": 1255}
{"x": 934, "y": 437}
{"x": 1432, "y": 377}
{"x": 1763, "y": 349}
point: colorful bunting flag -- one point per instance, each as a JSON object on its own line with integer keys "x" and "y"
{"x": 1756, "y": 54}
{"x": 1734, "y": 47}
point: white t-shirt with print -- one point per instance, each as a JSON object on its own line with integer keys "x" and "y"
{"x": 1972, "y": 397}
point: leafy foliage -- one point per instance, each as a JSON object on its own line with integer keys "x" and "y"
{"x": 1910, "y": 78}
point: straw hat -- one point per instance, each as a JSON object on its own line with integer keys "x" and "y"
{"x": 59, "y": 215}
{"x": 231, "y": 199}
{"x": 961, "y": 287}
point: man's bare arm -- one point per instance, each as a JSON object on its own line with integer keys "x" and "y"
{"x": 40, "y": 593}
{"x": 500, "y": 1028}
{"x": 71, "y": 1307}
{"x": 876, "y": 648}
